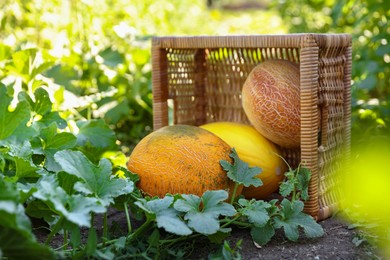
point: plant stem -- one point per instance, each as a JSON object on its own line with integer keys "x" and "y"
{"x": 65, "y": 237}
{"x": 140, "y": 230}
{"x": 105, "y": 228}
{"x": 175, "y": 240}
{"x": 54, "y": 231}
{"x": 129, "y": 228}
{"x": 234, "y": 193}
{"x": 230, "y": 221}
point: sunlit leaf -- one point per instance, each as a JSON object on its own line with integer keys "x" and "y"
{"x": 203, "y": 213}
{"x": 10, "y": 121}
{"x": 97, "y": 180}
{"x": 165, "y": 215}
{"x": 240, "y": 171}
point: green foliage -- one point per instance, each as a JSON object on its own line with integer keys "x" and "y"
{"x": 203, "y": 213}
{"x": 240, "y": 172}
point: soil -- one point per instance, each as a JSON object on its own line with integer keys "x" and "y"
{"x": 337, "y": 243}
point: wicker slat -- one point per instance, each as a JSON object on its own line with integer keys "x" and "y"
{"x": 198, "y": 79}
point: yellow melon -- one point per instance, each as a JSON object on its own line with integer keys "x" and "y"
{"x": 256, "y": 150}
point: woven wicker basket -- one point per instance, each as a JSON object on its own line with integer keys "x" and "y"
{"x": 198, "y": 79}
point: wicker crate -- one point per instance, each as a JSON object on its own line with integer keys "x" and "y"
{"x": 198, "y": 79}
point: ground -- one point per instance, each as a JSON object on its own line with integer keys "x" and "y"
{"x": 337, "y": 243}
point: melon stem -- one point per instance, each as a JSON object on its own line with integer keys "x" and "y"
{"x": 234, "y": 193}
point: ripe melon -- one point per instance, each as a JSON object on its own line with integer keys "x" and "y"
{"x": 271, "y": 101}
{"x": 180, "y": 159}
{"x": 256, "y": 150}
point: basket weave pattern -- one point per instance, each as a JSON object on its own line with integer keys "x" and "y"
{"x": 197, "y": 80}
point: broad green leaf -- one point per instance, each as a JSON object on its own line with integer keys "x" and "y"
{"x": 25, "y": 190}
{"x": 21, "y": 149}
{"x": 256, "y": 211}
{"x": 97, "y": 180}
{"x": 52, "y": 117}
{"x": 95, "y": 136}
{"x": 39, "y": 209}
{"x": 75, "y": 208}
{"x": 165, "y": 216}
{"x": 203, "y": 213}
{"x": 56, "y": 140}
{"x": 10, "y": 121}
{"x": 12, "y": 213}
{"x": 25, "y": 168}
{"x": 42, "y": 104}
{"x": 81, "y": 207}
{"x": 292, "y": 218}
{"x": 240, "y": 171}
{"x": 21, "y": 153}
{"x": 53, "y": 141}
{"x": 15, "y": 245}
{"x": 262, "y": 235}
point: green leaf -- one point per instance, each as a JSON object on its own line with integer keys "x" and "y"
{"x": 12, "y": 213}
{"x": 27, "y": 64}
{"x": 292, "y": 218}
{"x": 256, "y": 211}
{"x": 25, "y": 168}
{"x": 296, "y": 181}
{"x": 52, "y": 117}
{"x": 165, "y": 216}
{"x": 304, "y": 176}
{"x": 96, "y": 179}
{"x": 288, "y": 186}
{"x": 42, "y": 104}
{"x": 53, "y": 141}
{"x": 15, "y": 245}
{"x": 58, "y": 141}
{"x": 76, "y": 208}
{"x": 10, "y": 121}
{"x": 95, "y": 133}
{"x": 203, "y": 213}
{"x": 240, "y": 171}
{"x": 262, "y": 235}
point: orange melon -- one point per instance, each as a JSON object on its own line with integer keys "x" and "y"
{"x": 271, "y": 101}
{"x": 180, "y": 159}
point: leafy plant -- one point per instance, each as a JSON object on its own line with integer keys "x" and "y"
{"x": 46, "y": 174}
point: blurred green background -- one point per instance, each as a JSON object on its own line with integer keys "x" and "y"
{"x": 96, "y": 53}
